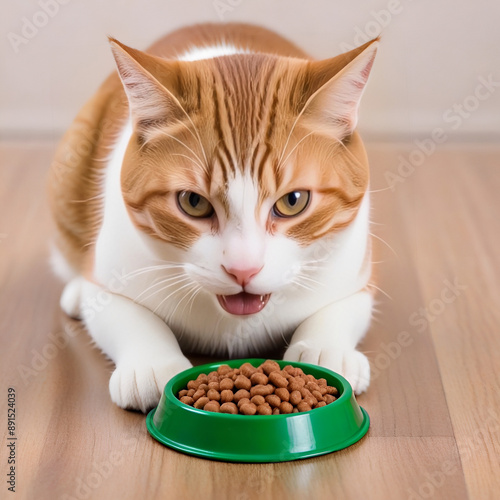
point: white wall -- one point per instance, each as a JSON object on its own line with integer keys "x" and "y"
{"x": 432, "y": 58}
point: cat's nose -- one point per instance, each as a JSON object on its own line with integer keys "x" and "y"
{"x": 242, "y": 276}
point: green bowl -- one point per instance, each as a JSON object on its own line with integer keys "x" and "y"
{"x": 257, "y": 438}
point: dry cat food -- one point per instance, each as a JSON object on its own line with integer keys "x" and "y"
{"x": 266, "y": 390}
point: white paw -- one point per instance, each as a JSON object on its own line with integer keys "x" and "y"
{"x": 70, "y": 298}
{"x": 138, "y": 384}
{"x": 351, "y": 364}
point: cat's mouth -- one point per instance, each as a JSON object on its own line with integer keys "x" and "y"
{"x": 243, "y": 303}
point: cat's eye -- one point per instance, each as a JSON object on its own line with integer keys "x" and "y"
{"x": 292, "y": 204}
{"x": 194, "y": 204}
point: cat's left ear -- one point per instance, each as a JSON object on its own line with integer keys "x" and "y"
{"x": 149, "y": 83}
{"x": 337, "y": 86}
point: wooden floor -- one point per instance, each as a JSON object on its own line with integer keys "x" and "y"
{"x": 434, "y": 347}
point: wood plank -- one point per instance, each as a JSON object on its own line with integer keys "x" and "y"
{"x": 427, "y": 403}
{"x": 461, "y": 248}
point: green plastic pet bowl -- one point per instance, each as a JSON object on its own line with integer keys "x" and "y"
{"x": 257, "y": 438}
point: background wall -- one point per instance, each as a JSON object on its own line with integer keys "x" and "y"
{"x": 438, "y": 66}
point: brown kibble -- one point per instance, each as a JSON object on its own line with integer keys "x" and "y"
{"x": 223, "y": 369}
{"x": 286, "y": 407}
{"x": 200, "y": 403}
{"x": 212, "y": 406}
{"x": 214, "y": 386}
{"x": 247, "y": 369}
{"x": 242, "y": 382}
{"x": 295, "y": 397}
{"x": 226, "y": 396}
{"x": 213, "y": 395}
{"x": 259, "y": 379}
{"x": 229, "y": 408}
{"x": 295, "y": 384}
{"x": 187, "y": 400}
{"x": 303, "y": 406}
{"x": 270, "y": 366}
{"x": 277, "y": 379}
{"x": 248, "y": 409}
{"x": 242, "y": 393}
{"x": 312, "y": 386}
{"x": 305, "y": 392}
{"x": 258, "y": 400}
{"x": 264, "y": 409}
{"x": 243, "y": 401}
{"x": 193, "y": 384}
{"x": 226, "y": 384}
{"x": 273, "y": 400}
{"x": 261, "y": 390}
{"x": 198, "y": 394}
{"x": 282, "y": 393}
{"x": 317, "y": 395}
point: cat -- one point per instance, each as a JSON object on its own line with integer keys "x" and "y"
{"x": 213, "y": 195}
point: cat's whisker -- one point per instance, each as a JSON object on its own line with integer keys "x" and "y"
{"x": 162, "y": 132}
{"x": 294, "y": 148}
{"x": 161, "y": 282}
{"x": 316, "y": 282}
{"x": 198, "y": 289}
{"x": 298, "y": 283}
{"x": 380, "y": 290}
{"x": 159, "y": 267}
{"x": 186, "y": 295}
{"x": 385, "y": 243}
{"x": 189, "y": 158}
{"x": 173, "y": 293}
{"x": 159, "y": 290}
{"x": 379, "y": 190}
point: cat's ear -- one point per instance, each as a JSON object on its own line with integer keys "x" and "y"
{"x": 148, "y": 82}
{"x": 337, "y": 85}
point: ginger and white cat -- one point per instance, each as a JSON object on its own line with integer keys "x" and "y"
{"x": 213, "y": 195}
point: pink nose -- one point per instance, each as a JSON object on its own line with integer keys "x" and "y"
{"x": 242, "y": 276}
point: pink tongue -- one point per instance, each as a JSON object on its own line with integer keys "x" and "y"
{"x": 243, "y": 303}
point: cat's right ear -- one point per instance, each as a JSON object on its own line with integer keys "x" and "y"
{"x": 145, "y": 79}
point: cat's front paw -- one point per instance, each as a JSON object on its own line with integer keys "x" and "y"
{"x": 138, "y": 384}
{"x": 350, "y": 363}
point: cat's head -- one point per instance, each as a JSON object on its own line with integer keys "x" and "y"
{"x": 242, "y": 163}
